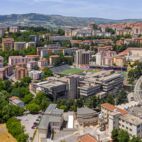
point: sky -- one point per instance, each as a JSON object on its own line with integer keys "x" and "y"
{"x": 112, "y": 9}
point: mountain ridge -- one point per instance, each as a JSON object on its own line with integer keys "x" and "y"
{"x": 36, "y": 19}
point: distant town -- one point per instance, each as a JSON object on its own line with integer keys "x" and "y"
{"x": 71, "y": 84}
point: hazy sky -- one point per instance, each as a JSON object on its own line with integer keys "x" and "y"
{"x": 114, "y": 9}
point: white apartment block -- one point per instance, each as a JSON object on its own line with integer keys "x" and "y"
{"x": 128, "y": 122}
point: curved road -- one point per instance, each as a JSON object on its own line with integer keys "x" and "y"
{"x": 138, "y": 90}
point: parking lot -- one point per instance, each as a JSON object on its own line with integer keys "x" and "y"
{"x": 28, "y": 121}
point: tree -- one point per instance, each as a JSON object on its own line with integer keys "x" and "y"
{"x": 110, "y": 99}
{"x": 47, "y": 72}
{"x": 123, "y": 136}
{"x": 114, "y": 135}
{"x": 27, "y": 98}
{"x": 33, "y": 108}
{"x": 17, "y": 130}
{"x": 135, "y": 139}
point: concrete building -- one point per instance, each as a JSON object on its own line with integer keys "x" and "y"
{"x": 35, "y": 74}
{"x": 52, "y": 120}
{"x": 87, "y": 116}
{"x": 7, "y": 44}
{"x": 31, "y": 65}
{"x": 107, "y": 109}
{"x": 16, "y": 101}
{"x": 127, "y": 122}
{"x": 82, "y": 57}
{"x": 111, "y": 82}
{"x": 87, "y": 87}
{"x": 20, "y": 73}
{"x": 19, "y": 45}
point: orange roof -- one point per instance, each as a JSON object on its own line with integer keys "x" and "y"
{"x": 87, "y": 138}
{"x": 111, "y": 107}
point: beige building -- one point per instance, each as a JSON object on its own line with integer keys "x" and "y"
{"x": 7, "y": 44}
{"x": 19, "y": 45}
{"x": 82, "y": 57}
{"x": 127, "y": 122}
{"x": 20, "y": 73}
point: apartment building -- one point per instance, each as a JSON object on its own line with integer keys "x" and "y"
{"x": 14, "y": 60}
{"x": 42, "y": 63}
{"x": 127, "y": 122}
{"x": 35, "y": 74}
{"x": 107, "y": 109}
{"x": 7, "y": 44}
{"x": 82, "y": 57}
{"x": 13, "y": 29}
{"x": 32, "y": 65}
{"x": 105, "y": 58}
{"x": 19, "y": 45}
{"x": 20, "y": 73}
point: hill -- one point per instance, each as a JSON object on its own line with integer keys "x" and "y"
{"x": 33, "y": 19}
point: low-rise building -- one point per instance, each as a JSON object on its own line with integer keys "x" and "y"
{"x": 35, "y": 74}
{"x": 19, "y": 45}
{"x": 87, "y": 116}
{"x": 127, "y": 122}
{"x": 16, "y": 101}
{"x": 52, "y": 120}
{"x": 13, "y": 29}
{"x": 107, "y": 109}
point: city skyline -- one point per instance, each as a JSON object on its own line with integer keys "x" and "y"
{"x": 122, "y": 9}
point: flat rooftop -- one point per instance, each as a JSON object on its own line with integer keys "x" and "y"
{"x": 85, "y": 110}
{"x": 132, "y": 119}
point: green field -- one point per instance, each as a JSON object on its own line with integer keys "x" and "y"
{"x": 76, "y": 71}
{"x": 72, "y": 71}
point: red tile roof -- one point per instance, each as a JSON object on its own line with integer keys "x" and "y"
{"x": 111, "y": 107}
{"x": 87, "y": 138}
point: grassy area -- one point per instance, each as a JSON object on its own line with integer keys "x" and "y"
{"x": 72, "y": 71}
{"x": 4, "y": 135}
{"x": 77, "y": 71}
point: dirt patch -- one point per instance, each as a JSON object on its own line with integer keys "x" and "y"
{"x": 4, "y": 135}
